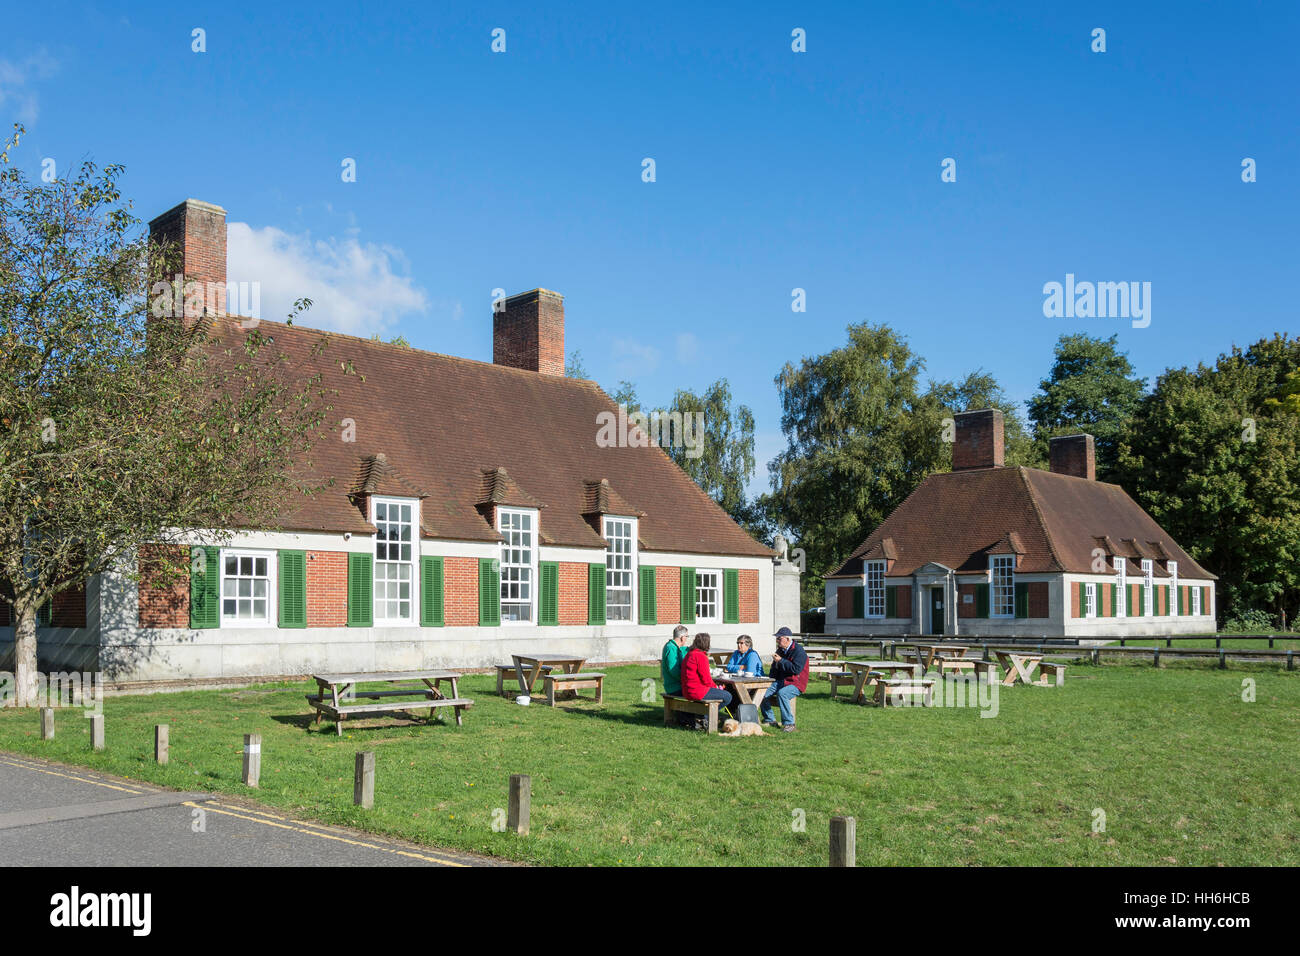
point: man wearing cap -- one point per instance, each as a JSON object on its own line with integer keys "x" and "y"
{"x": 790, "y": 669}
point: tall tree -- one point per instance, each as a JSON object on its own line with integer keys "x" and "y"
{"x": 1091, "y": 387}
{"x": 118, "y": 428}
{"x": 723, "y": 461}
{"x": 1218, "y": 465}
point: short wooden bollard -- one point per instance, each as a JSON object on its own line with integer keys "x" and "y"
{"x": 160, "y": 743}
{"x": 521, "y": 803}
{"x": 252, "y": 759}
{"x": 363, "y": 786}
{"x": 97, "y": 731}
{"x": 844, "y": 841}
{"x": 47, "y": 723}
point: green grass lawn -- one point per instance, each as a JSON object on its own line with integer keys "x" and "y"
{"x": 1184, "y": 770}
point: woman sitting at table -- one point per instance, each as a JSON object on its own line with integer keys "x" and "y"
{"x": 697, "y": 680}
{"x": 745, "y": 658}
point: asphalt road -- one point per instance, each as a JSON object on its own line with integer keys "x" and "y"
{"x": 54, "y": 815}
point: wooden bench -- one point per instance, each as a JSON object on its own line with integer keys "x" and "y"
{"x": 960, "y": 665}
{"x": 341, "y": 713}
{"x": 898, "y": 693}
{"x": 684, "y": 705}
{"x": 987, "y": 671}
{"x": 573, "y": 682}
{"x": 507, "y": 671}
{"x": 1056, "y": 671}
{"x": 840, "y": 678}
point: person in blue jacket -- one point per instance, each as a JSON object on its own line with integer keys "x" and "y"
{"x": 745, "y": 658}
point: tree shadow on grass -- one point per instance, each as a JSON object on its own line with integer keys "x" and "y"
{"x": 642, "y": 715}
{"x": 384, "y": 723}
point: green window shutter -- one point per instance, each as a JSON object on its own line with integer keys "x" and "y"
{"x": 859, "y": 602}
{"x": 45, "y": 614}
{"x": 688, "y": 595}
{"x": 596, "y": 594}
{"x": 730, "y": 596}
{"x": 361, "y": 589}
{"x": 1178, "y": 599}
{"x": 292, "y": 583}
{"x": 1022, "y": 600}
{"x": 489, "y": 592}
{"x": 431, "y": 580}
{"x": 891, "y": 601}
{"x": 1113, "y": 611}
{"x": 1083, "y": 600}
{"x": 648, "y": 612}
{"x": 205, "y": 587}
{"x": 981, "y": 600}
{"x": 548, "y": 614}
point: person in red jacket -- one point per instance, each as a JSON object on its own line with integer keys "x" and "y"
{"x": 697, "y": 679}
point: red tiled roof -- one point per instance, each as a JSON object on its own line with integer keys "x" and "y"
{"x": 1053, "y": 522}
{"x": 454, "y": 429}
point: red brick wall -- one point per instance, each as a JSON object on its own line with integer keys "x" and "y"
{"x": 668, "y": 595}
{"x": 573, "y": 593}
{"x": 1038, "y": 599}
{"x": 460, "y": 591}
{"x": 69, "y": 608}
{"x": 1105, "y": 609}
{"x": 529, "y": 332}
{"x": 1076, "y": 609}
{"x": 327, "y": 589}
{"x": 200, "y": 231}
{"x": 168, "y": 605}
{"x": 1073, "y": 455}
{"x": 904, "y": 610}
{"x": 748, "y": 596}
{"x": 979, "y": 440}
{"x": 964, "y": 609}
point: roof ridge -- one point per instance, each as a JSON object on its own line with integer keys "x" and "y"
{"x": 1038, "y": 515}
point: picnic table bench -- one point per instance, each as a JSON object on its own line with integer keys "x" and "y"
{"x": 865, "y": 674}
{"x": 554, "y": 682}
{"x": 902, "y": 691}
{"x": 676, "y": 704}
{"x": 336, "y": 691}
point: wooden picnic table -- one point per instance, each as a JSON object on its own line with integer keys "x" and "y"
{"x": 336, "y": 691}
{"x": 862, "y": 670}
{"x": 1018, "y": 667}
{"x": 748, "y": 690}
{"x": 926, "y": 653}
{"x": 528, "y": 668}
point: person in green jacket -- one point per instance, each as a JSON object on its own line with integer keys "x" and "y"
{"x": 670, "y": 663}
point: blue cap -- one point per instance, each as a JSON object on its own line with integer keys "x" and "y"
{"x": 785, "y": 632}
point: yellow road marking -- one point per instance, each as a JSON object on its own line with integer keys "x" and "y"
{"x": 98, "y": 783}
{"x": 324, "y": 836}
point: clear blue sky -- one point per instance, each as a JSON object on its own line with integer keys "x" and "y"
{"x": 775, "y": 169}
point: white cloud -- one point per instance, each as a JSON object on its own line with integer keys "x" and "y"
{"x": 634, "y": 357}
{"x": 17, "y": 98}
{"x": 688, "y": 347}
{"x": 357, "y": 288}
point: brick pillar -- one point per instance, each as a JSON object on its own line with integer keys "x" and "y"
{"x": 528, "y": 332}
{"x": 199, "y": 229}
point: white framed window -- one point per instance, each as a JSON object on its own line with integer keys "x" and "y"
{"x": 1004, "y": 585}
{"x": 708, "y": 597}
{"x": 620, "y": 570}
{"x": 395, "y": 521}
{"x": 1121, "y": 587}
{"x": 1196, "y": 601}
{"x": 518, "y": 529}
{"x": 1173, "y": 588}
{"x": 247, "y": 588}
{"x": 873, "y": 585}
{"x": 1090, "y": 600}
{"x": 1147, "y": 595}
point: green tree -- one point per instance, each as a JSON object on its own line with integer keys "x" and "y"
{"x": 723, "y": 461}
{"x": 1217, "y": 465}
{"x": 573, "y": 367}
{"x": 1090, "y": 388}
{"x": 117, "y": 427}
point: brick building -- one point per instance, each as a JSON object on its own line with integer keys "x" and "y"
{"x": 986, "y": 550}
{"x": 472, "y": 513}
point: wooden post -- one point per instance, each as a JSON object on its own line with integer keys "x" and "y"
{"x": 363, "y": 785}
{"x": 97, "y": 731}
{"x": 1156, "y": 661}
{"x": 844, "y": 840}
{"x": 252, "y": 759}
{"x": 1223, "y": 661}
{"x": 160, "y": 743}
{"x": 521, "y": 801}
{"x": 47, "y": 723}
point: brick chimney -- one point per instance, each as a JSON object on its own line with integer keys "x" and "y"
{"x": 1074, "y": 455}
{"x": 199, "y": 228}
{"x": 528, "y": 332}
{"x": 979, "y": 441}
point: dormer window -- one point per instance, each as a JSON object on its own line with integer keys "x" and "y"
{"x": 1003, "y": 568}
{"x": 518, "y": 527}
{"x": 395, "y": 521}
{"x": 620, "y": 569}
